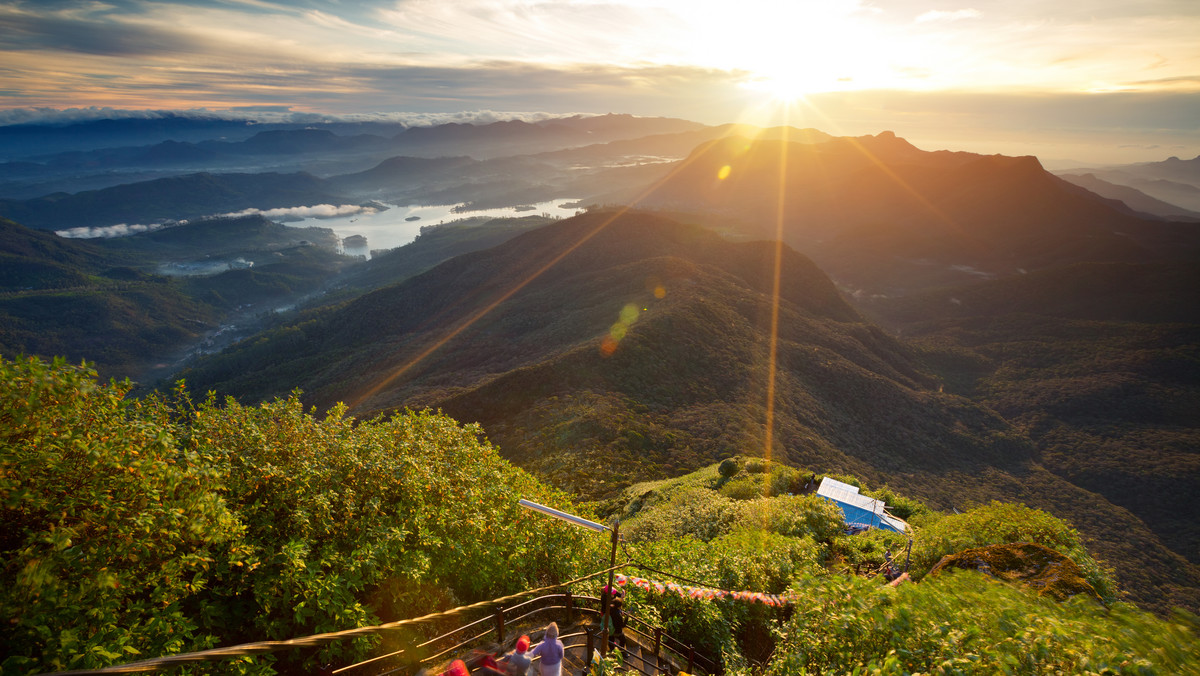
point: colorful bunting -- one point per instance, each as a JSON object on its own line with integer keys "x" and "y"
{"x": 704, "y": 593}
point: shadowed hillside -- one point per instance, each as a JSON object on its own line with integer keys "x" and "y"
{"x": 108, "y": 302}
{"x": 177, "y": 197}
{"x": 1098, "y": 363}
{"x": 882, "y": 216}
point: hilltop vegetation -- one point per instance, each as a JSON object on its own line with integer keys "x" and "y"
{"x": 203, "y": 524}
{"x": 139, "y": 528}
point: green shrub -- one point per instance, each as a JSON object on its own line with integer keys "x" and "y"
{"x": 694, "y": 511}
{"x": 898, "y": 505}
{"x": 1002, "y": 522}
{"x": 745, "y": 487}
{"x": 870, "y": 547}
{"x": 756, "y": 466}
{"x": 745, "y": 558}
{"x": 964, "y": 623}
{"x": 110, "y": 534}
{"x": 795, "y": 516}
{"x": 728, "y": 467}
{"x": 136, "y": 529}
{"x": 783, "y": 480}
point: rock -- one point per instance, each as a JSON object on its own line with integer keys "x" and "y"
{"x": 1045, "y": 571}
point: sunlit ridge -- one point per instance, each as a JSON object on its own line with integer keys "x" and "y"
{"x": 399, "y": 371}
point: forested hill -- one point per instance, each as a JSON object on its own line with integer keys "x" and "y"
{"x": 177, "y": 197}
{"x": 641, "y": 350}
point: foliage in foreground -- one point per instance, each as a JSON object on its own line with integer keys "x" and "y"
{"x": 965, "y": 623}
{"x": 141, "y": 528}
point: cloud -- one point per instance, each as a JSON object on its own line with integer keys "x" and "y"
{"x": 301, "y": 213}
{"x": 91, "y": 34}
{"x": 119, "y": 230}
{"x": 943, "y": 16}
{"x": 268, "y": 115}
{"x": 283, "y": 214}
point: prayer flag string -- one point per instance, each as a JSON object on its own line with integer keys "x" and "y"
{"x": 702, "y": 593}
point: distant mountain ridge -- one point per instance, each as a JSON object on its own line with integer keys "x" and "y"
{"x": 179, "y": 197}
{"x": 1174, "y": 180}
{"x": 883, "y": 216}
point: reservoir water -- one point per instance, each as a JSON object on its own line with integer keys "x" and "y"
{"x": 400, "y": 225}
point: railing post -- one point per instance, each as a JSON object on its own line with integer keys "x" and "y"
{"x": 500, "y": 626}
{"x": 591, "y": 645}
{"x": 691, "y": 658}
{"x": 570, "y": 608}
{"x": 658, "y": 648}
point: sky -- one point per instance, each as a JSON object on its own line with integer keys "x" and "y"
{"x": 1097, "y": 80}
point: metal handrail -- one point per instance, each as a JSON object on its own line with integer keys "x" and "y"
{"x": 679, "y": 649}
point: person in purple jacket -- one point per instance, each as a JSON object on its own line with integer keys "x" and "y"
{"x": 550, "y": 650}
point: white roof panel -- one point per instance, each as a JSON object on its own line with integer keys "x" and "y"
{"x": 848, "y": 494}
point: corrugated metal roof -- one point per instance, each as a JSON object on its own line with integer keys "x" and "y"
{"x": 843, "y": 492}
{"x": 847, "y": 494}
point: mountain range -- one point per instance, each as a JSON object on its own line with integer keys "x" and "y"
{"x": 883, "y": 217}
{"x": 1173, "y": 180}
{"x": 961, "y": 327}
{"x": 619, "y": 346}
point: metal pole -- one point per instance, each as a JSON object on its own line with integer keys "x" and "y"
{"x": 608, "y": 598}
{"x": 569, "y": 518}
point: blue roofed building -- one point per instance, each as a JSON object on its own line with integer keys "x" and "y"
{"x": 859, "y": 511}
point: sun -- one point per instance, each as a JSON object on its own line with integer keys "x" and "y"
{"x": 786, "y": 87}
{"x": 790, "y": 50}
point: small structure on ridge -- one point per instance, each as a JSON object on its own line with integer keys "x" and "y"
{"x": 859, "y": 511}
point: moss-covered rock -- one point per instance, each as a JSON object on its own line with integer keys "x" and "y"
{"x": 1037, "y": 567}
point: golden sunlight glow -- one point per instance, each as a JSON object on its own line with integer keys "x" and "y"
{"x": 792, "y": 49}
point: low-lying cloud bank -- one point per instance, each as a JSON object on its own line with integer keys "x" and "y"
{"x": 300, "y": 213}
{"x": 118, "y": 230}
{"x": 283, "y": 214}
{"x": 268, "y": 115}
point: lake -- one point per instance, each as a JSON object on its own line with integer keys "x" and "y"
{"x": 390, "y": 229}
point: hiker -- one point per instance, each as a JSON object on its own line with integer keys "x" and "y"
{"x": 614, "y": 623}
{"x": 517, "y": 662}
{"x": 551, "y": 651}
{"x": 457, "y": 668}
{"x": 484, "y": 661}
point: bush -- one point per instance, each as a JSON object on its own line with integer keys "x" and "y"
{"x": 110, "y": 534}
{"x": 694, "y": 511}
{"x": 852, "y": 625}
{"x": 728, "y": 467}
{"x": 1000, "y": 523}
{"x": 136, "y": 529}
{"x": 898, "y": 505}
{"x": 783, "y": 480}
{"x": 795, "y": 516}
{"x": 756, "y": 466}
{"x": 745, "y": 487}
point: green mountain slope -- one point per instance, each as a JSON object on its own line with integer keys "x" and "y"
{"x": 1099, "y": 364}
{"x": 105, "y": 301}
{"x": 641, "y": 350}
